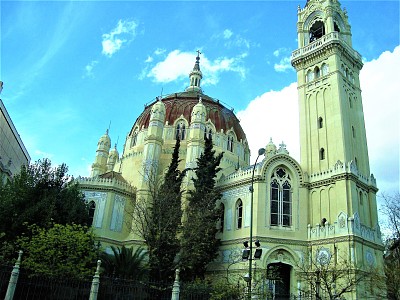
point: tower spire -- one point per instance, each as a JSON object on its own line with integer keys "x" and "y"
{"x": 195, "y": 76}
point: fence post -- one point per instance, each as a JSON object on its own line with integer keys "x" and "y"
{"x": 94, "y": 290}
{"x": 13, "y": 278}
{"x": 176, "y": 286}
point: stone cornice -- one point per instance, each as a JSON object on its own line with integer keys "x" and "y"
{"x": 318, "y": 48}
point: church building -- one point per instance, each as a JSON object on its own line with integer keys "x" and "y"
{"x": 320, "y": 209}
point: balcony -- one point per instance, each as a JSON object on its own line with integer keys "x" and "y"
{"x": 330, "y": 38}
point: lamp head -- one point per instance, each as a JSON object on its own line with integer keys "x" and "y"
{"x": 261, "y": 151}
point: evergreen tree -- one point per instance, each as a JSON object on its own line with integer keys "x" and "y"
{"x": 199, "y": 243}
{"x": 165, "y": 222}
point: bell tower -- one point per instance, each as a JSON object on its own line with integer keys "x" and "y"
{"x": 332, "y": 130}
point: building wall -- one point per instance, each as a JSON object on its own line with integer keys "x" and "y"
{"x": 13, "y": 153}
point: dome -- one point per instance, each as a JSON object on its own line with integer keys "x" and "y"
{"x": 182, "y": 104}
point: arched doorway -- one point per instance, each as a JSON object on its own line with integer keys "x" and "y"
{"x": 278, "y": 275}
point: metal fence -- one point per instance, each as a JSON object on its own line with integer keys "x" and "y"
{"x": 48, "y": 288}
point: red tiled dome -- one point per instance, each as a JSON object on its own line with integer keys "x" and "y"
{"x": 182, "y": 104}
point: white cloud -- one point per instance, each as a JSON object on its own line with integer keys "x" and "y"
{"x": 159, "y": 51}
{"x": 149, "y": 59}
{"x": 227, "y": 33}
{"x": 89, "y": 68}
{"x": 177, "y": 65}
{"x": 232, "y": 40}
{"x": 275, "y": 114}
{"x": 124, "y": 32}
{"x": 283, "y": 65}
{"x": 380, "y": 92}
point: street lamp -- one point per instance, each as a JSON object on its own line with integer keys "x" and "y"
{"x": 261, "y": 151}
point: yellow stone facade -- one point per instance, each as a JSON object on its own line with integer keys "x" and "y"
{"x": 13, "y": 154}
{"x": 324, "y": 205}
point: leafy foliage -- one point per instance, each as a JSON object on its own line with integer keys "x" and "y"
{"x": 124, "y": 263}
{"x": 199, "y": 242}
{"x": 61, "y": 250}
{"x": 40, "y": 195}
{"x": 391, "y": 209}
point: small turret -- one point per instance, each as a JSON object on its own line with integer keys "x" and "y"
{"x": 100, "y": 163}
{"x": 112, "y": 158}
{"x": 195, "y": 76}
{"x": 270, "y": 149}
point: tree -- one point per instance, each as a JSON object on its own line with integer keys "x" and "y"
{"x": 158, "y": 218}
{"x": 326, "y": 278}
{"x": 391, "y": 209}
{"x": 41, "y": 195}
{"x": 61, "y": 250}
{"x": 198, "y": 241}
{"x": 124, "y": 263}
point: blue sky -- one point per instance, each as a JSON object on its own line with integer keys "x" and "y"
{"x": 71, "y": 67}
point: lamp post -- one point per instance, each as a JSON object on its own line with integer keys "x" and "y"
{"x": 261, "y": 151}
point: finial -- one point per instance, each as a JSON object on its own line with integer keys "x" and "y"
{"x": 200, "y": 100}
{"x": 198, "y": 55}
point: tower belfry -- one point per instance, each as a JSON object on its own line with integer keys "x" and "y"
{"x": 334, "y": 153}
{"x": 195, "y": 76}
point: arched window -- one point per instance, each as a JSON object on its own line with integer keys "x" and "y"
{"x": 208, "y": 133}
{"x": 355, "y": 161}
{"x": 222, "y": 218}
{"x": 360, "y": 197}
{"x": 180, "y": 132}
{"x": 92, "y": 209}
{"x": 183, "y": 132}
{"x": 317, "y": 30}
{"x": 350, "y": 102}
{"x": 322, "y": 154}
{"x": 281, "y": 200}
{"x": 310, "y": 76}
{"x": 229, "y": 145}
{"x": 239, "y": 214}
{"x": 353, "y": 131}
{"x": 324, "y": 69}
{"x": 317, "y": 72}
{"x": 320, "y": 122}
{"x": 336, "y": 27}
{"x": 134, "y": 139}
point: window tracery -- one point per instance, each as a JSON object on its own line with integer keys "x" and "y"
{"x": 280, "y": 196}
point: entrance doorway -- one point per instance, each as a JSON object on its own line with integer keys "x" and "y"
{"x": 278, "y": 275}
